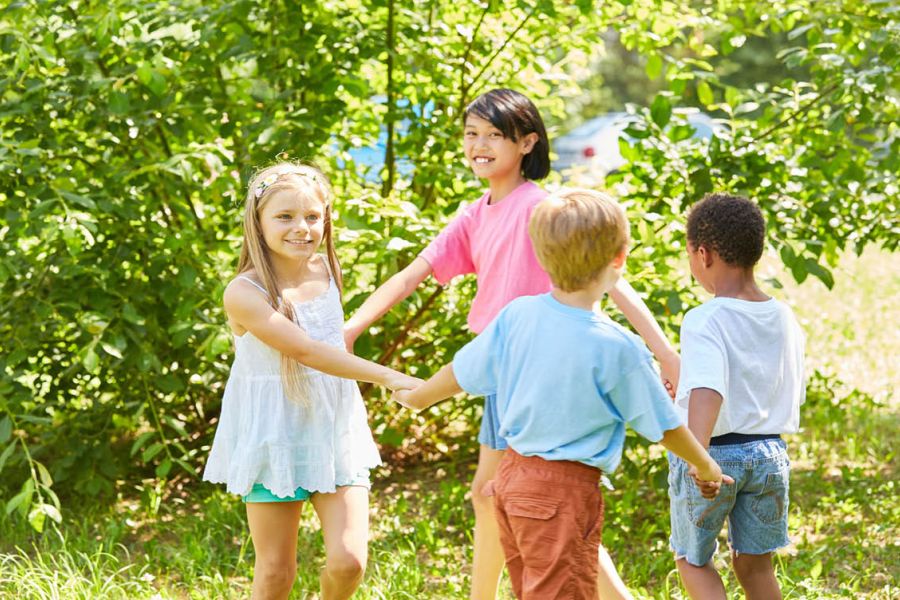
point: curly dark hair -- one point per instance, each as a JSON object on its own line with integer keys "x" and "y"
{"x": 731, "y": 225}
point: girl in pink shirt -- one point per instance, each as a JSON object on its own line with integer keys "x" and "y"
{"x": 505, "y": 142}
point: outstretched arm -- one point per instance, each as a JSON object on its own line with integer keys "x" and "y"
{"x": 392, "y": 291}
{"x": 248, "y": 308}
{"x": 704, "y": 469}
{"x": 441, "y": 385}
{"x": 642, "y": 320}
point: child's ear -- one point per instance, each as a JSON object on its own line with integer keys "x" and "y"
{"x": 529, "y": 142}
{"x": 618, "y": 260}
{"x": 707, "y": 256}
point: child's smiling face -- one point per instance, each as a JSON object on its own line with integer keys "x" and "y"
{"x": 292, "y": 224}
{"x": 490, "y": 153}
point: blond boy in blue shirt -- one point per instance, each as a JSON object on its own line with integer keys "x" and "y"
{"x": 567, "y": 379}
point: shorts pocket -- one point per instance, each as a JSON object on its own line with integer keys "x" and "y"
{"x": 708, "y": 514}
{"x": 529, "y": 508}
{"x": 769, "y": 505}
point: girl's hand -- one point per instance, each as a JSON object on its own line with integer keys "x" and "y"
{"x": 401, "y": 381}
{"x": 350, "y": 335}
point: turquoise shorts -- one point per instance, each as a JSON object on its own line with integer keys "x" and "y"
{"x": 260, "y": 493}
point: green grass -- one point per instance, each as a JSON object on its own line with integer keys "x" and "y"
{"x": 844, "y": 519}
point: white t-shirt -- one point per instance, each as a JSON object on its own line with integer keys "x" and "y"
{"x": 752, "y": 354}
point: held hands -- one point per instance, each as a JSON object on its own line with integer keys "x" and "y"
{"x": 709, "y": 479}
{"x": 400, "y": 381}
{"x": 402, "y": 397}
{"x": 669, "y": 370}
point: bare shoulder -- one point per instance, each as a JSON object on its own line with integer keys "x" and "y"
{"x": 242, "y": 295}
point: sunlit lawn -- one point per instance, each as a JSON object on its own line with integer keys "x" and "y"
{"x": 845, "y": 517}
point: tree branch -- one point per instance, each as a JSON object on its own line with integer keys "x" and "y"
{"x": 800, "y": 111}
{"x": 465, "y": 91}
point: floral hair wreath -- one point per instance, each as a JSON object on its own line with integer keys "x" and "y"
{"x": 271, "y": 179}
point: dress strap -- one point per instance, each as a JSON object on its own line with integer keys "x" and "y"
{"x": 254, "y": 284}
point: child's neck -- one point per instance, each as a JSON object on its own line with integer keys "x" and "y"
{"x": 290, "y": 274}
{"x": 587, "y": 298}
{"x": 738, "y": 283}
{"x": 502, "y": 186}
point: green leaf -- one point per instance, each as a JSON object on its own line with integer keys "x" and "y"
{"x": 661, "y": 110}
{"x": 79, "y": 199}
{"x": 654, "y": 66}
{"x": 52, "y": 512}
{"x": 186, "y": 466}
{"x": 119, "y": 103}
{"x": 816, "y": 571}
{"x": 151, "y": 451}
{"x": 111, "y": 350}
{"x": 7, "y": 452}
{"x": 627, "y": 151}
{"x": 91, "y": 361}
{"x": 22, "y": 500}
{"x": 5, "y": 429}
{"x": 391, "y": 437}
{"x": 163, "y": 468}
{"x": 704, "y": 93}
{"x": 44, "y": 474}
{"x": 140, "y": 441}
{"x": 36, "y": 518}
{"x": 153, "y": 79}
{"x": 823, "y": 274}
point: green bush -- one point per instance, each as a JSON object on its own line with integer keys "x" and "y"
{"x": 128, "y": 131}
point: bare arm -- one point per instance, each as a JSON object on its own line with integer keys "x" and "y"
{"x": 703, "y": 412}
{"x": 248, "y": 308}
{"x": 392, "y": 291}
{"x": 640, "y": 317}
{"x": 441, "y": 385}
{"x": 682, "y": 442}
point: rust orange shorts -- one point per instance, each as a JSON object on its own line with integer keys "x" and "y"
{"x": 551, "y": 519}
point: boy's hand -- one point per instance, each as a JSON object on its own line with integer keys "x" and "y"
{"x": 709, "y": 479}
{"x": 402, "y": 397}
{"x": 669, "y": 370}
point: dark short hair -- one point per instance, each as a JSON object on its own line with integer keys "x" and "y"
{"x": 731, "y": 225}
{"x": 515, "y": 116}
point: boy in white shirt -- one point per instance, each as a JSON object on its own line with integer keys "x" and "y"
{"x": 742, "y": 385}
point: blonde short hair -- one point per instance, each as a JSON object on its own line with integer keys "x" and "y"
{"x": 576, "y": 235}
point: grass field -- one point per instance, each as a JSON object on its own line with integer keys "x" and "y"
{"x": 845, "y": 515}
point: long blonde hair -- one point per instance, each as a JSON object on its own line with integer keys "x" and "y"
{"x": 311, "y": 182}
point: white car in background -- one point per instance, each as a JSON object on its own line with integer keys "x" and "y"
{"x": 594, "y": 145}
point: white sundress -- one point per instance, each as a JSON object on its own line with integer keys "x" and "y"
{"x": 263, "y": 437}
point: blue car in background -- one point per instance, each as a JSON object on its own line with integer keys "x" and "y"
{"x": 594, "y": 145}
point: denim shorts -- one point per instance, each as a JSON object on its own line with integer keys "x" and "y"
{"x": 755, "y": 506}
{"x": 260, "y": 493}
{"x": 489, "y": 434}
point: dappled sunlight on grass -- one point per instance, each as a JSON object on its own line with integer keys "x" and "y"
{"x": 852, "y": 329}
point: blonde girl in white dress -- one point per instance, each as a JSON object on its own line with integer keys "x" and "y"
{"x": 293, "y": 426}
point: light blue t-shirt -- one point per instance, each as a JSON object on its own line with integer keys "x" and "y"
{"x": 567, "y": 381}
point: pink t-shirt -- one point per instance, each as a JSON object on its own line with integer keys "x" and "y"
{"x": 491, "y": 240}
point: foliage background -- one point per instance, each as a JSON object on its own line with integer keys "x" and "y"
{"x": 128, "y": 131}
